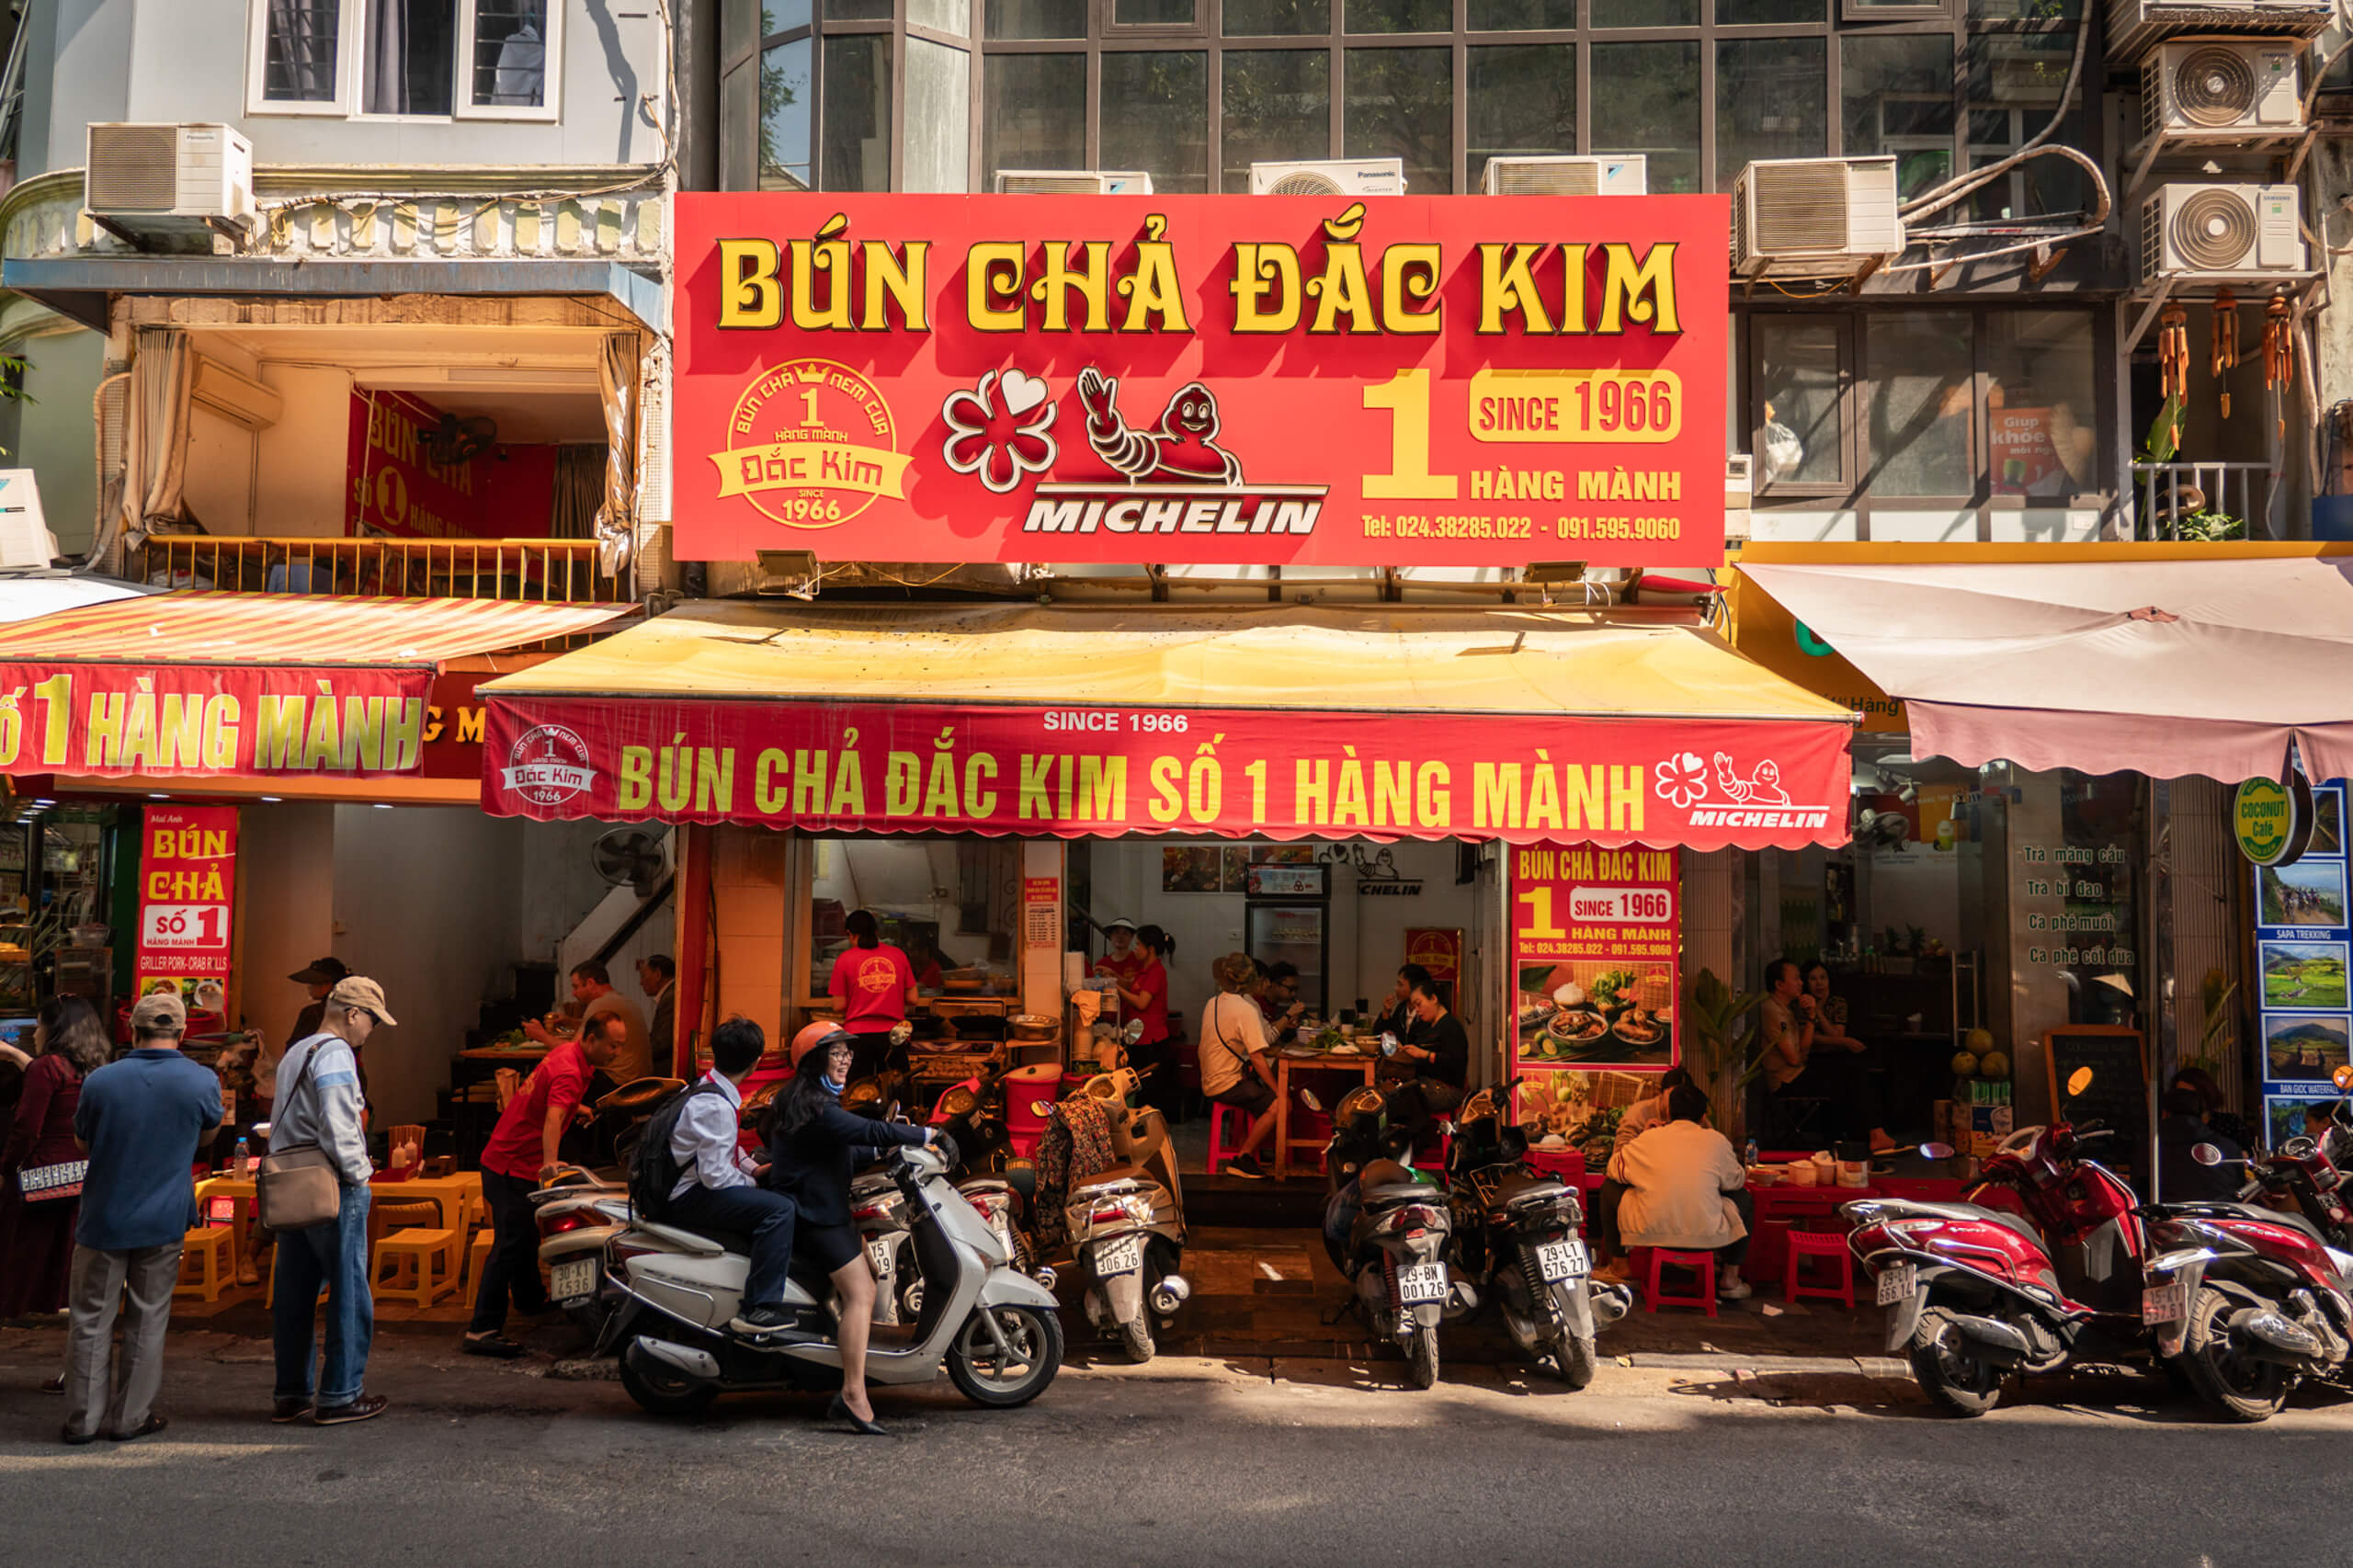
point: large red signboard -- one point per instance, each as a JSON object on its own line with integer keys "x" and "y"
{"x": 187, "y": 888}
{"x": 1407, "y": 381}
{"x": 932, "y": 769}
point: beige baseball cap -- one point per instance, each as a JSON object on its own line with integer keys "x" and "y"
{"x": 361, "y": 993}
{"x": 159, "y": 1012}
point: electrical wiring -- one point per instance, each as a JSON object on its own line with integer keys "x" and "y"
{"x": 1962, "y": 186}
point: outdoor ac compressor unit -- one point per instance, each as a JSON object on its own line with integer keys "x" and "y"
{"x": 1627, "y": 175}
{"x": 2224, "y": 232}
{"x": 169, "y": 177}
{"x": 1815, "y": 217}
{"x": 2134, "y": 25}
{"x": 1330, "y": 176}
{"x": 2222, "y": 85}
{"x": 1073, "y": 182}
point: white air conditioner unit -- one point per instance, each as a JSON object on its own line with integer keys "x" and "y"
{"x": 1626, "y": 175}
{"x": 2134, "y": 25}
{"x": 2223, "y": 232}
{"x": 2212, "y": 84}
{"x": 168, "y": 177}
{"x": 236, "y": 398}
{"x": 1740, "y": 492}
{"x": 1330, "y": 176}
{"x": 1815, "y": 217}
{"x": 1073, "y": 182}
{"x": 25, "y": 539}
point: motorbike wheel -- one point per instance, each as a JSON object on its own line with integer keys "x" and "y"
{"x": 1423, "y": 1359}
{"x": 666, "y": 1393}
{"x": 1136, "y": 1338}
{"x": 1574, "y": 1354}
{"x": 981, "y": 1373}
{"x": 1956, "y": 1383}
{"x": 2235, "y": 1386}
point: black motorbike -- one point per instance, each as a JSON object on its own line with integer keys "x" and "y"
{"x": 1385, "y": 1228}
{"x": 1516, "y": 1241}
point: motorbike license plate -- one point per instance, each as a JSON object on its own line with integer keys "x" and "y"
{"x": 1122, "y": 1257}
{"x": 1421, "y": 1282}
{"x": 878, "y": 1256}
{"x": 1897, "y": 1285}
{"x": 2165, "y": 1303}
{"x": 1562, "y": 1260}
{"x": 571, "y": 1283}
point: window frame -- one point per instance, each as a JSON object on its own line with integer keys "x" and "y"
{"x": 350, "y": 24}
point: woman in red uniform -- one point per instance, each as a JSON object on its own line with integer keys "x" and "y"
{"x": 872, "y": 987}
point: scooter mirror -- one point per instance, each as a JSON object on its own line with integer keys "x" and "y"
{"x": 2079, "y": 1080}
{"x": 2206, "y": 1154}
{"x": 1042, "y": 1108}
{"x": 1935, "y": 1150}
{"x": 1307, "y": 1097}
{"x": 1134, "y": 1032}
{"x": 2342, "y": 1077}
{"x": 1388, "y": 1044}
{"x": 902, "y": 1032}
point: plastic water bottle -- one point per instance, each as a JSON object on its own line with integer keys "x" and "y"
{"x": 237, "y": 1161}
{"x": 1751, "y": 1158}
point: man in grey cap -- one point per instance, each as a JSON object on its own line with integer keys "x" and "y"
{"x": 319, "y": 1101}
{"x": 138, "y": 1120}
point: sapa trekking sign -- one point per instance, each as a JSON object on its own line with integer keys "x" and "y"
{"x": 1408, "y": 380}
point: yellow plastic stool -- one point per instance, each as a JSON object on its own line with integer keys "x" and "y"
{"x": 476, "y": 1257}
{"x": 213, "y": 1248}
{"x": 413, "y": 1252}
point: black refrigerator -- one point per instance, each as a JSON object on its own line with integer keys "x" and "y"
{"x": 1288, "y": 919}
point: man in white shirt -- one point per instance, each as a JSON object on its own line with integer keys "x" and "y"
{"x": 718, "y": 1188}
{"x": 1686, "y": 1190}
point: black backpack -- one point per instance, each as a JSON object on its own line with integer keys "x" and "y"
{"x": 652, "y": 1169}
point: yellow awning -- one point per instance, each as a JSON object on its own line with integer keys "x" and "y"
{"x": 1508, "y": 661}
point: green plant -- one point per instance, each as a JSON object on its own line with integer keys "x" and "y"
{"x": 2165, "y": 434}
{"x": 2210, "y": 526}
{"x": 1720, "y": 1028}
{"x": 2215, "y": 1038}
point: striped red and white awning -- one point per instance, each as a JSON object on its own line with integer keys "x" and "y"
{"x": 332, "y": 632}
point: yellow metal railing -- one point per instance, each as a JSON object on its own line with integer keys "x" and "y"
{"x": 553, "y": 571}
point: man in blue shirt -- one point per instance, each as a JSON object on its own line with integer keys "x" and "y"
{"x": 140, "y": 1119}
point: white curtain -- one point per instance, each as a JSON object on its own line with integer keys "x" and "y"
{"x": 154, "y": 446}
{"x": 617, "y": 376}
{"x": 386, "y": 60}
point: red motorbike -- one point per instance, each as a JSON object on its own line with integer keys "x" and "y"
{"x": 2040, "y": 1267}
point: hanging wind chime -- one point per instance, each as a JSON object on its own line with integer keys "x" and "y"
{"x": 2225, "y": 356}
{"x": 2279, "y": 355}
{"x": 2172, "y": 363}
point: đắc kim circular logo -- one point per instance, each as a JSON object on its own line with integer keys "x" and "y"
{"x": 548, "y": 766}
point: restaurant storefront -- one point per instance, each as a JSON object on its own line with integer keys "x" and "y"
{"x": 2039, "y": 841}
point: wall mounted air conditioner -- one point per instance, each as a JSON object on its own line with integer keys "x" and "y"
{"x": 1626, "y": 175}
{"x": 2224, "y": 232}
{"x": 1815, "y": 217}
{"x": 2134, "y": 25}
{"x": 1330, "y": 176}
{"x": 168, "y": 177}
{"x": 237, "y": 398}
{"x": 2222, "y": 85}
{"x": 1073, "y": 182}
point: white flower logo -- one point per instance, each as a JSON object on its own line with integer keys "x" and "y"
{"x": 1000, "y": 430}
{"x": 1683, "y": 780}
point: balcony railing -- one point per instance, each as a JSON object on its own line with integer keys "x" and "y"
{"x": 2167, "y": 495}
{"x": 554, "y": 571}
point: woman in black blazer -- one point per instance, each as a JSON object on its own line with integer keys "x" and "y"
{"x": 813, "y": 1147}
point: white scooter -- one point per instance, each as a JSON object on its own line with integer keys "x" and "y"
{"x": 671, "y": 1293}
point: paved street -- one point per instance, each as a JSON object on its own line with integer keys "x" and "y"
{"x": 1674, "y": 1460}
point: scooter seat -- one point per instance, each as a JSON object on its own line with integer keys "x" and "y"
{"x": 1392, "y": 1193}
{"x": 2222, "y": 1209}
{"x": 1520, "y": 1187}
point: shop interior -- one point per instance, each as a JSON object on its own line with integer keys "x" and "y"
{"x": 1965, "y": 899}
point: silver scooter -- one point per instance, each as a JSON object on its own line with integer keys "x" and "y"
{"x": 671, "y": 1293}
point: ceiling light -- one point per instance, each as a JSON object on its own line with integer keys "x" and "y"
{"x": 273, "y": 799}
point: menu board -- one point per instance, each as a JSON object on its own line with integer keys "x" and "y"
{"x": 2302, "y": 936}
{"x": 2115, "y": 1094}
{"x": 1597, "y": 939}
{"x": 187, "y": 885}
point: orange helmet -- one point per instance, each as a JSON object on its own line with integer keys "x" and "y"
{"x": 813, "y": 1036}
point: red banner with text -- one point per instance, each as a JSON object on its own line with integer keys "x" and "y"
{"x": 1082, "y": 772}
{"x": 187, "y": 894}
{"x": 1597, "y": 945}
{"x": 1397, "y": 381}
{"x": 197, "y": 719}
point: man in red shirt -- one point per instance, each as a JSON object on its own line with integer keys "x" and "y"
{"x": 521, "y": 1153}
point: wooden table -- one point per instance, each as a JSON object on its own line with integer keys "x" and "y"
{"x": 1362, "y": 1066}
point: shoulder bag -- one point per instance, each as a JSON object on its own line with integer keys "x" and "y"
{"x": 46, "y": 1184}
{"x": 297, "y": 1186}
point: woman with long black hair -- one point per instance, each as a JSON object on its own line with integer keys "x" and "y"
{"x": 37, "y": 1232}
{"x": 815, "y": 1146}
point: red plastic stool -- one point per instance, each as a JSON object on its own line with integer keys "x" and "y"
{"x": 1649, "y": 1268}
{"x": 1221, "y": 1150}
{"x": 1823, "y": 1244}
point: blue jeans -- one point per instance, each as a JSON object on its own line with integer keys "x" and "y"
{"x": 334, "y": 1255}
{"x": 769, "y": 1218}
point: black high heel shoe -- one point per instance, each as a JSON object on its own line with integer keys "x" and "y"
{"x": 840, "y": 1411}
